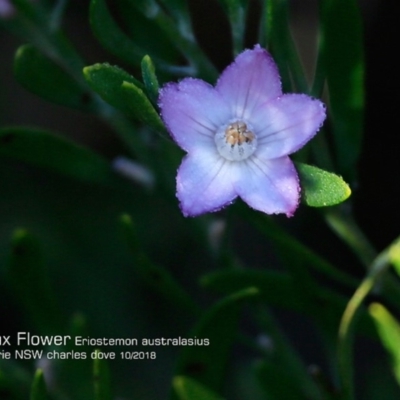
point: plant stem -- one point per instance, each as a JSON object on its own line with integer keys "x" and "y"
{"x": 343, "y": 224}
{"x": 347, "y": 324}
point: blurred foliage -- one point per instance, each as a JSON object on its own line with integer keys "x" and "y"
{"x": 95, "y": 255}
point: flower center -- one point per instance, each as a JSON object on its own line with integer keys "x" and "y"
{"x": 235, "y": 141}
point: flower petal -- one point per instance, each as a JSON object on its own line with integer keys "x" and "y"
{"x": 251, "y": 80}
{"x": 204, "y": 183}
{"x": 286, "y": 124}
{"x": 270, "y": 186}
{"x": 192, "y": 110}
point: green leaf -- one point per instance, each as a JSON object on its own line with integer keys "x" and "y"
{"x": 189, "y": 389}
{"x": 29, "y": 279}
{"x": 280, "y": 290}
{"x": 236, "y": 12}
{"x": 143, "y": 20}
{"x": 101, "y": 377}
{"x": 39, "y": 390}
{"x": 277, "y": 32}
{"x": 389, "y": 331}
{"x": 75, "y": 376}
{"x": 321, "y": 188}
{"x": 277, "y": 382}
{"x": 141, "y": 107}
{"x": 285, "y": 361}
{"x": 110, "y": 35}
{"x": 107, "y": 80}
{"x": 150, "y": 78}
{"x": 343, "y": 59}
{"x": 46, "y": 150}
{"x": 275, "y": 287}
{"x": 157, "y": 277}
{"x": 124, "y": 92}
{"x": 15, "y": 380}
{"x": 394, "y": 256}
{"x": 288, "y": 245}
{"x": 206, "y": 364}
{"x": 34, "y": 12}
{"x": 42, "y": 76}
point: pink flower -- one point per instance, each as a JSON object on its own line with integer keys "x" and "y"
{"x": 238, "y": 136}
{"x": 6, "y": 9}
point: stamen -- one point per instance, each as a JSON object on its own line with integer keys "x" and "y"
{"x": 237, "y": 134}
{"x": 236, "y": 141}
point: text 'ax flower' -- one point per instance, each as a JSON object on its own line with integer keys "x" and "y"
{"x": 238, "y": 136}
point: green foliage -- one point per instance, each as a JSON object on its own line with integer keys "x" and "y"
{"x": 123, "y": 92}
{"x": 110, "y": 35}
{"x": 29, "y": 279}
{"x": 389, "y": 331}
{"x": 39, "y": 390}
{"x": 42, "y": 76}
{"x": 150, "y": 78}
{"x": 277, "y": 382}
{"x": 236, "y": 12}
{"x": 156, "y": 277}
{"x": 189, "y": 389}
{"x": 46, "y": 150}
{"x": 146, "y": 36}
{"x": 101, "y": 378}
{"x": 206, "y": 364}
{"x": 321, "y": 188}
{"x": 282, "y": 290}
{"x": 343, "y": 60}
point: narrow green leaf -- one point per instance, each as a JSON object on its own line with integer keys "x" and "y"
{"x": 75, "y": 375}
{"x": 151, "y": 28}
{"x": 163, "y": 35}
{"x": 15, "y": 379}
{"x": 275, "y": 287}
{"x": 236, "y": 12}
{"x": 46, "y": 150}
{"x": 124, "y": 92}
{"x": 38, "y": 390}
{"x": 321, "y": 188}
{"x": 281, "y": 354}
{"x": 42, "y": 76}
{"x": 141, "y": 107}
{"x": 189, "y": 389}
{"x": 34, "y": 12}
{"x": 394, "y": 256}
{"x": 157, "y": 277}
{"x": 280, "y": 290}
{"x": 110, "y": 35}
{"x": 107, "y": 80}
{"x": 31, "y": 284}
{"x": 150, "y": 78}
{"x": 389, "y": 331}
{"x": 343, "y": 59}
{"x": 276, "y": 15}
{"x": 277, "y": 382}
{"x": 101, "y": 377}
{"x": 286, "y": 244}
{"x": 179, "y": 9}
{"x": 218, "y": 325}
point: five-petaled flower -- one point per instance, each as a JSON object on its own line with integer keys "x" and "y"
{"x": 238, "y": 136}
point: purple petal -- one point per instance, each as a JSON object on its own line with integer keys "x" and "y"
{"x": 251, "y": 80}
{"x": 204, "y": 183}
{"x": 285, "y": 124}
{"x": 192, "y": 110}
{"x": 270, "y": 186}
